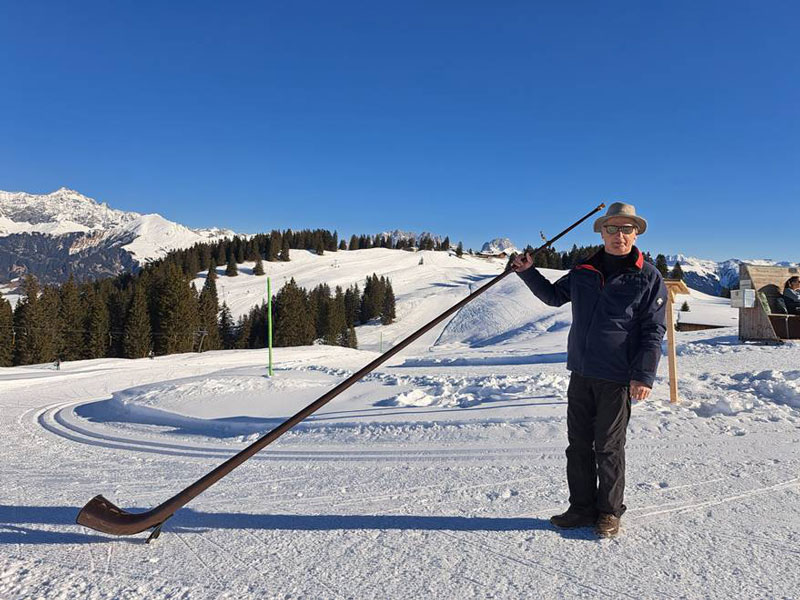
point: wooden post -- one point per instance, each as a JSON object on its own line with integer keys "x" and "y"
{"x": 674, "y": 286}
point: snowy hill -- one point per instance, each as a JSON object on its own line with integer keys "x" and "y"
{"x": 52, "y": 235}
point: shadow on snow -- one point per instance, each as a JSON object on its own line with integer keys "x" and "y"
{"x": 18, "y": 524}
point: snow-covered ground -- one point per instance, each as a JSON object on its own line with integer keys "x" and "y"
{"x": 432, "y": 478}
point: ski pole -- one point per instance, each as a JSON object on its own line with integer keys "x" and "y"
{"x": 102, "y": 515}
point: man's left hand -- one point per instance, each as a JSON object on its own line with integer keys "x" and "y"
{"x": 639, "y": 391}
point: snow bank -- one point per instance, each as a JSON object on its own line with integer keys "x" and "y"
{"x": 463, "y": 392}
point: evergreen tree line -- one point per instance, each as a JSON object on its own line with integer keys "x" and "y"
{"x": 426, "y": 242}
{"x": 303, "y": 317}
{"x": 552, "y": 259}
{"x": 160, "y": 311}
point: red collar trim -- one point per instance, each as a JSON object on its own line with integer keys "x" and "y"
{"x": 639, "y": 259}
{"x": 589, "y": 267}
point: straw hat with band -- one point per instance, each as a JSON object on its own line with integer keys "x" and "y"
{"x": 620, "y": 209}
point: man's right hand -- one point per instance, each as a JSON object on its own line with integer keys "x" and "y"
{"x": 522, "y": 262}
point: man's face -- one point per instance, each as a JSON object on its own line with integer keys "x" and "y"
{"x": 619, "y": 243}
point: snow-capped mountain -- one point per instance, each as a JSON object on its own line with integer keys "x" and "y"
{"x": 498, "y": 246}
{"x": 60, "y": 212}
{"x": 53, "y": 235}
{"x": 711, "y": 277}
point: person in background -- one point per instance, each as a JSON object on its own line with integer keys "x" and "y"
{"x": 791, "y": 295}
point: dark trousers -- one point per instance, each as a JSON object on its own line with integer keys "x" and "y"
{"x": 597, "y": 418}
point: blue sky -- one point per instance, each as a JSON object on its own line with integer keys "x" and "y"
{"x": 470, "y": 119}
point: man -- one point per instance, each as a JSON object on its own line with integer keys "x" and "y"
{"x": 618, "y": 322}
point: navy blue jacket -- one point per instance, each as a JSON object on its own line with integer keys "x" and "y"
{"x": 617, "y": 325}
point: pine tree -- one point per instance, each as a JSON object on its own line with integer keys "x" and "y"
{"x": 136, "y": 341}
{"x": 354, "y": 245}
{"x": 388, "y": 313}
{"x": 342, "y": 245}
{"x": 238, "y": 250}
{"x": 446, "y": 243}
{"x": 661, "y": 265}
{"x": 294, "y": 325}
{"x": 30, "y": 346}
{"x": 284, "y": 255}
{"x": 231, "y": 270}
{"x": 379, "y": 291}
{"x": 460, "y": 250}
{"x": 97, "y": 326}
{"x": 350, "y": 340}
{"x": 6, "y": 333}
{"x": 212, "y": 269}
{"x": 259, "y": 268}
{"x": 685, "y": 306}
{"x": 208, "y": 315}
{"x": 275, "y": 244}
{"x": 49, "y": 303}
{"x": 244, "y": 327}
{"x": 176, "y": 310}
{"x": 677, "y": 272}
{"x": 368, "y": 308}
{"x": 71, "y": 312}
{"x": 118, "y": 302}
{"x": 335, "y": 319}
{"x": 352, "y": 301}
{"x": 191, "y": 264}
{"x": 318, "y": 301}
{"x": 227, "y": 330}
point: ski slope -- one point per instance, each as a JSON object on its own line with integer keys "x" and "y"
{"x": 433, "y": 477}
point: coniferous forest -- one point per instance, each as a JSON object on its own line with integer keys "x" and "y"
{"x": 158, "y": 311}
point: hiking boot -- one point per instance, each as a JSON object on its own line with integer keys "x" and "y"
{"x": 572, "y": 519}
{"x": 607, "y": 525}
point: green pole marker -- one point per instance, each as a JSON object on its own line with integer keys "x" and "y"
{"x": 269, "y": 324}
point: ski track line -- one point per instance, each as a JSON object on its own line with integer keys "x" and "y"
{"x": 228, "y": 554}
{"x": 412, "y": 493}
{"x": 89, "y": 550}
{"x": 207, "y": 568}
{"x": 406, "y": 493}
{"x": 52, "y": 420}
{"x": 294, "y": 572}
{"x": 759, "y": 541}
{"x": 442, "y": 569}
{"x": 788, "y": 484}
{"x": 108, "y": 559}
{"x": 487, "y": 550}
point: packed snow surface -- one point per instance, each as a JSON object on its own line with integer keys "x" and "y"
{"x": 433, "y": 477}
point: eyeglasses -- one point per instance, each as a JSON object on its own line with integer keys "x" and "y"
{"x": 626, "y": 229}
